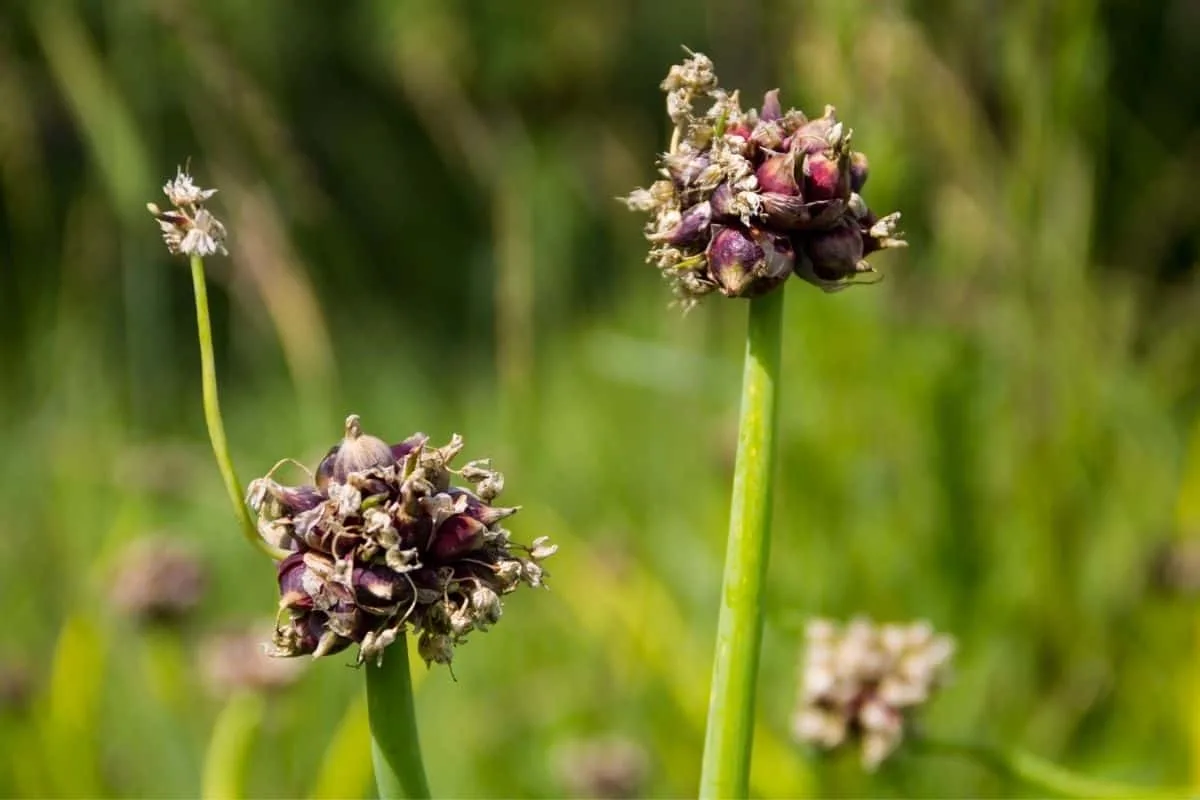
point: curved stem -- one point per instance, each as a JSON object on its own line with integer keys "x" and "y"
{"x": 1040, "y": 774}
{"x": 726, "y": 769}
{"x": 395, "y": 746}
{"x": 212, "y": 415}
{"x": 229, "y": 747}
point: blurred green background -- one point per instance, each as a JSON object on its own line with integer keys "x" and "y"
{"x": 1002, "y": 437}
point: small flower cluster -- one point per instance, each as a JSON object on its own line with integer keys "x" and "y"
{"x": 751, "y": 197}
{"x": 383, "y": 542}
{"x": 859, "y": 682}
{"x": 17, "y": 686}
{"x": 603, "y": 767}
{"x": 234, "y": 661}
{"x": 189, "y": 228}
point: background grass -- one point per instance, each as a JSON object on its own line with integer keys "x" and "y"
{"x": 1002, "y": 437}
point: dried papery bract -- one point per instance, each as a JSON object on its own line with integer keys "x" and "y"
{"x": 388, "y": 539}
{"x": 749, "y": 197}
{"x": 862, "y": 681}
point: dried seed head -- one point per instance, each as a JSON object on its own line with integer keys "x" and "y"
{"x": 384, "y": 542}
{"x": 770, "y": 171}
{"x": 861, "y": 680}
{"x": 157, "y": 580}
{"x": 189, "y": 228}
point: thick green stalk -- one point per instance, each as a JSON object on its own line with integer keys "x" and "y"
{"x": 212, "y": 414}
{"x": 725, "y": 772}
{"x": 395, "y": 746}
{"x": 1042, "y": 775}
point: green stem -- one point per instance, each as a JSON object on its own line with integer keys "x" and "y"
{"x": 725, "y": 772}
{"x": 212, "y": 415}
{"x": 229, "y": 748}
{"x": 395, "y": 746}
{"x": 1042, "y": 775}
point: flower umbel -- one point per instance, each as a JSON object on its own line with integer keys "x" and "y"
{"x": 860, "y": 681}
{"x": 750, "y": 197}
{"x": 382, "y": 540}
{"x": 189, "y": 228}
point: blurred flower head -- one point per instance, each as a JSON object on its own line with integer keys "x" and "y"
{"x": 749, "y": 197}
{"x": 383, "y": 541}
{"x": 188, "y": 228}
{"x": 859, "y": 682}
{"x": 1175, "y": 567}
{"x": 236, "y": 661}
{"x": 16, "y": 686}
{"x": 157, "y": 580}
{"x": 610, "y": 767}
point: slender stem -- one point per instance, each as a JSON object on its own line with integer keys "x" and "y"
{"x": 725, "y": 772}
{"x": 212, "y": 415}
{"x": 1043, "y": 775}
{"x": 395, "y": 746}
{"x": 229, "y": 748}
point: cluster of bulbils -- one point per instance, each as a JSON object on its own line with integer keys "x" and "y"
{"x": 858, "y": 681}
{"x": 382, "y": 542}
{"x": 751, "y": 197}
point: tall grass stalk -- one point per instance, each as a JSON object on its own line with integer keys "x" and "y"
{"x": 726, "y": 768}
{"x": 212, "y": 414}
{"x": 395, "y": 746}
